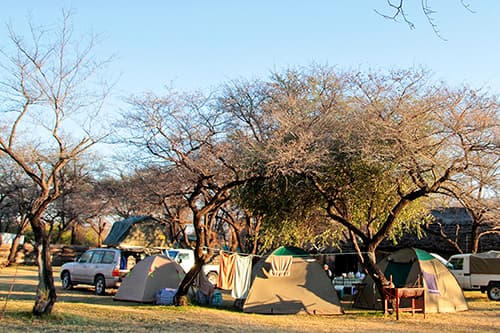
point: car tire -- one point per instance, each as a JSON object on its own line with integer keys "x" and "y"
{"x": 66, "y": 280}
{"x": 213, "y": 277}
{"x": 100, "y": 285}
{"x": 494, "y": 292}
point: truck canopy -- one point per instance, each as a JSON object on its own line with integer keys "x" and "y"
{"x": 485, "y": 263}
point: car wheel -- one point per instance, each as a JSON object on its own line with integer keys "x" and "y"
{"x": 212, "y": 277}
{"x": 66, "y": 280}
{"x": 100, "y": 285}
{"x": 494, "y": 292}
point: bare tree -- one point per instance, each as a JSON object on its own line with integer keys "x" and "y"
{"x": 15, "y": 199}
{"x": 186, "y": 133}
{"x": 476, "y": 190}
{"x": 149, "y": 190}
{"x": 76, "y": 203}
{"x": 49, "y": 108}
{"x": 163, "y": 197}
{"x": 239, "y": 229}
{"x": 399, "y": 11}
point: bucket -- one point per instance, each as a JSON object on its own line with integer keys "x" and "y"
{"x": 217, "y": 298}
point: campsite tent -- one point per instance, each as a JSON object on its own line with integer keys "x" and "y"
{"x": 289, "y": 281}
{"x": 411, "y": 268}
{"x": 147, "y": 277}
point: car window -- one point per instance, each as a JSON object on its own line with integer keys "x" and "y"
{"x": 86, "y": 257}
{"x": 108, "y": 258}
{"x": 172, "y": 253}
{"x": 457, "y": 263}
{"x": 97, "y": 257}
{"x": 183, "y": 256}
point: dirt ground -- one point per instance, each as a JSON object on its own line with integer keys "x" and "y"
{"x": 79, "y": 310}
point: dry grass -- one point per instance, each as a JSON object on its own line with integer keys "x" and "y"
{"x": 79, "y": 310}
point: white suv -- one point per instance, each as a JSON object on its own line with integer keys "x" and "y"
{"x": 100, "y": 267}
{"x": 185, "y": 258}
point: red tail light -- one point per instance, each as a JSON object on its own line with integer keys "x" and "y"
{"x": 116, "y": 272}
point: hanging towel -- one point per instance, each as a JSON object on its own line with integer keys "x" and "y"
{"x": 242, "y": 276}
{"x": 226, "y": 271}
{"x": 281, "y": 265}
{"x": 431, "y": 283}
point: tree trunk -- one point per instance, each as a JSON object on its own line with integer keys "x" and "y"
{"x": 370, "y": 265}
{"x": 181, "y": 295}
{"x": 73, "y": 235}
{"x": 15, "y": 243}
{"x": 46, "y": 291}
{"x": 255, "y": 235}
{"x": 13, "y": 250}
{"x": 200, "y": 258}
{"x": 369, "y": 261}
{"x": 475, "y": 244}
{"x": 236, "y": 241}
{"x": 475, "y": 234}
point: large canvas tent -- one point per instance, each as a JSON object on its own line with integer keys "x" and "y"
{"x": 149, "y": 276}
{"x": 306, "y": 290}
{"x": 412, "y": 267}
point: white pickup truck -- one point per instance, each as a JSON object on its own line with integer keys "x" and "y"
{"x": 479, "y": 271}
{"x": 185, "y": 258}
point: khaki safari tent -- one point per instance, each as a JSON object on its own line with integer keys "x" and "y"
{"x": 290, "y": 281}
{"x": 148, "y": 277}
{"x": 412, "y": 267}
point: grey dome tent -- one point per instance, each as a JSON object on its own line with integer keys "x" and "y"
{"x": 149, "y": 276}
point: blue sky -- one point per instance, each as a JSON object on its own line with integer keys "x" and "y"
{"x": 200, "y": 44}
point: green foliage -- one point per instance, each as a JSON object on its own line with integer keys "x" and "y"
{"x": 410, "y": 220}
{"x": 277, "y": 198}
{"x": 284, "y": 233}
{"x": 90, "y": 238}
{"x": 291, "y": 213}
{"x": 364, "y": 185}
{"x": 65, "y": 238}
{"x": 29, "y": 236}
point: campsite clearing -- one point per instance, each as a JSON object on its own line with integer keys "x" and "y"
{"x": 82, "y": 311}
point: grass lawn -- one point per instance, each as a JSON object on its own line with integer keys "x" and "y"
{"x": 79, "y": 310}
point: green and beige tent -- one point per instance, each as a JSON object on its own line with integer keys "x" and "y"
{"x": 290, "y": 281}
{"x": 412, "y": 267}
